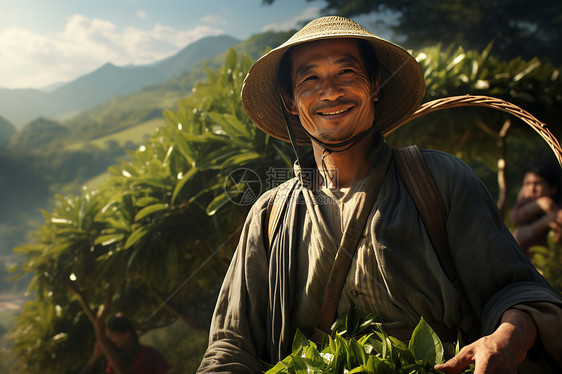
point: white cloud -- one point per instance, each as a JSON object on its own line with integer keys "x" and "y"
{"x": 213, "y": 19}
{"x": 295, "y": 23}
{"x": 141, "y": 13}
{"x": 34, "y": 60}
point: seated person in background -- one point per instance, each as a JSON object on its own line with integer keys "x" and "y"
{"x": 537, "y": 211}
{"x": 136, "y": 358}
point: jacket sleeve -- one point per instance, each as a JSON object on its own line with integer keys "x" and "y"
{"x": 494, "y": 272}
{"x": 237, "y": 336}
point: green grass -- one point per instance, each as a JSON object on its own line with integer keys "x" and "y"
{"x": 137, "y": 134}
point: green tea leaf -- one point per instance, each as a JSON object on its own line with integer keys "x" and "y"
{"x": 299, "y": 341}
{"x": 135, "y": 236}
{"x": 146, "y": 211}
{"x": 425, "y": 344}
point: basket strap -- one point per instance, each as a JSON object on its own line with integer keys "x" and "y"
{"x": 273, "y": 215}
{"x": 274, "y": 211}
{"x": 431, "y": 209}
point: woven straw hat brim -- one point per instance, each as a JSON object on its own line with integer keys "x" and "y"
{"x": 401, "y": 83}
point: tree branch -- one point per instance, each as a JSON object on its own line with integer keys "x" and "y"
{"x": 193, "y": 320}
{"x": 502, "y": 168}
{"x": 487, "y": 129}
{"x": 98, "y": 322}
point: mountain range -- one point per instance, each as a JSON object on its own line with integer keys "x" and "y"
{"x": 20, "y": 106}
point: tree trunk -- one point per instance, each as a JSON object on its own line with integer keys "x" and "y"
{"x": 502, "y": 169}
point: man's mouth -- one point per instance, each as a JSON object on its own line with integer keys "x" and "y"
{"x": 334, "y": 112}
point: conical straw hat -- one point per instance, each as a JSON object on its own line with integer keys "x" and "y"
{"x": 401, "y": 91}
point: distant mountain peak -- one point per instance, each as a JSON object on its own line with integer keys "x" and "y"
{"x": 109, "y": 81}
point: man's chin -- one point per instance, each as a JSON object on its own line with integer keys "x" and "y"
{"x": 333, "y": 138}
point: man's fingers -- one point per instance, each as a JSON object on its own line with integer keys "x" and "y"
{"x": 457, "y": 363}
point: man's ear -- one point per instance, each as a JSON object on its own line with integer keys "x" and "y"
{"x": 289, "y": 104}
{"x": 376, "y": 88}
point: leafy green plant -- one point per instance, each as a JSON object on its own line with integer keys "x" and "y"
{"x": 362, "y": 346}
{"x": 549, "y": 262}
{"x": 154, "y": 240}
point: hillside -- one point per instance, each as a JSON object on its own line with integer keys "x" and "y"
{"x": 6, "y": 130}
{"x": 20, "y": 106}
{"x": 147, "y": 104}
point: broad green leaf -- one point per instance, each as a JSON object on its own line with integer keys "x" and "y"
{"x": 205, "y": 138}
{"x": 216, "y": 157}
{"x": 116, "y": 224}
{"x": 237, "y": 130}
{"x": 358, "y": 369}
{"x": 145, "y": 201}
{"x": 135, "y": 236}
{"x": 241, "y": 159}
{"x": 217, "y": 203}
{"x": 280, "y": 367}
{"x": 425, "y": 344}
{"x": 358, "y": 353}
{"x": 182, "y": 182}
{"x": 146, "y": 211}
{"x": 299, "y": 341}
{"x": 105, "y": 240}
{"x": 299, "y": 364}
{"x": 340, "y": 354}
{"x": 154, "y": 182}
{"x": 184, "y": 149}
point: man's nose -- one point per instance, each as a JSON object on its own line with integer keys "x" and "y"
{"x": 330, "y": 90}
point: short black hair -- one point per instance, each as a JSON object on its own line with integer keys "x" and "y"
{"x": 367, "y": 54}
{"x": 547, "y": 169}
{"x": 121, "y": 324}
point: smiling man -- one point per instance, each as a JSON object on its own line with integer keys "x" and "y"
{"x": 333, "y": 94}
{"x": 345, "y": 229}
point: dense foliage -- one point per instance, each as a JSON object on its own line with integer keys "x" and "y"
{"x": 150, "y": 233}
{"x": 517, "y": 27}
{"x": 549, "y": 261}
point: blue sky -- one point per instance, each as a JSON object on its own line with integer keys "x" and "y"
{"x": 48, "y": 41}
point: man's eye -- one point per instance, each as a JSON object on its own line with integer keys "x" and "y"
{"x": 346, "y": 71}
{"x": 310, "y": 78}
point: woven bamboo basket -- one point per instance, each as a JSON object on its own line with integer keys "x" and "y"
{"x": 495, "y": 103}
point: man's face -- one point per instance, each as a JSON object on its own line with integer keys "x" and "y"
{"x": 332, "y": 93}
{"x": 535, "y": 186}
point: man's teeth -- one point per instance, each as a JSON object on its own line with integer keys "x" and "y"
{"x": 332, "y": 113}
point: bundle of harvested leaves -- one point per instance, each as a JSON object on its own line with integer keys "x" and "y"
{"x": 363, "y": 347}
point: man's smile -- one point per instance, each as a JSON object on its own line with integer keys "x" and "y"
{"x": 332, "y": 113}
{"x": 335, "y": 108}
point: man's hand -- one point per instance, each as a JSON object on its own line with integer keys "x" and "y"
{"x": 499, "y": 352}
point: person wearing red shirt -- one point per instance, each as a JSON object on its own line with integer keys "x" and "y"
{"x": 135, "y": 357}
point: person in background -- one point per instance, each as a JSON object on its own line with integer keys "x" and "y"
{"x": 537, "y": 211}
{"x": 136, "y": 358}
